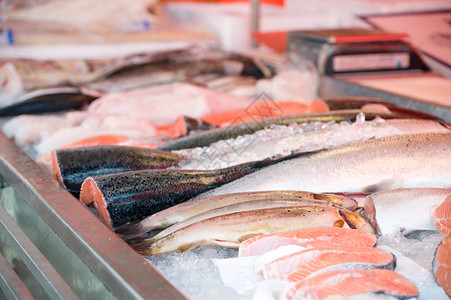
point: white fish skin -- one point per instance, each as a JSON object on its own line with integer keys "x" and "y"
{"x": 188, "y": 209}
{"x": 406, "y": 161}
{"x": 239, "y": 207}
{"x": 403, "y": 210}
{"x": 231, "y": 229}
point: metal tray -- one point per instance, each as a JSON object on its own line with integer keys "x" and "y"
{"x": 334, "y": 87}
{"x": 53, "y": 247}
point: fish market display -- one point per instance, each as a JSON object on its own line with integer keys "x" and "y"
{"x": 193, "y": 207}
{"x": 442, "y": 264}
{"x": 132, "y": 196}
{"x": 72, "y": 166}
{"x": 353, "y": 282}
{"x": 307, "y": 136}
{"x": 406, "y": 161}
{"x": 230, "y": 230}
{"x": 420, "y": 208}
{"x": 308, "y": 237}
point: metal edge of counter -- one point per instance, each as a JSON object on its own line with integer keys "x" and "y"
{"x": 334, "y": 87}
{"x": 124, "y": 272}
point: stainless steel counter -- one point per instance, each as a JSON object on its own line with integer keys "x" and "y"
{"x": 53, "y": 247}
{"x": 334, "y": 87}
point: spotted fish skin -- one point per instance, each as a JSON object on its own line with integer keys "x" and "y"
{"x": 132, "y": 196}
{"x": 72, "y": 166}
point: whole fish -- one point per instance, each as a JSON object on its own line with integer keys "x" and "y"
{"x": 132, "y": 196}
{"x": 206, "y": 138}
{"x": 188, "y": 209}
{"x": 309, "y": 136}
{"x": 405, "y": 161}
{"x": 404, "y": 210}
{"x": 73, "y": 165}
{"x": 231, "y": 229}
{"x": 237, "y": 207}
{"x": 46, "y": 100}
{"x": 154, "y": 74}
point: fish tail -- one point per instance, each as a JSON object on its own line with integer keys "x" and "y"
{"x": 130, "y": 231}
{"x": 141, "y": 244}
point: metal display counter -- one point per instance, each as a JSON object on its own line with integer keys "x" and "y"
{"x": 335, "y": 87}
{"x": 53, "y": 247}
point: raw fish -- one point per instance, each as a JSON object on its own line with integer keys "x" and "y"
{"x": 185, "y": 210}
{"x": 132, "y": 196}
{"x": 367, "y": 258}
{"x": 233, "y": 131}
{"x": 300, "y": 265}
{"x": 308, "y": 237}
{"x": 352, "y": 282}
{"x": 163, "y": 104}
{"x": 406, "y": 210}
{"x": 264, "y": 109}
{"x": 240, "y": 207}
{"x": 406, "y": 161}
{"x": 441, "y": 217}
{"x": 442, "y": 265}
{"x": 146, "y": 75}
{"x": 308, "y": 136}
{"x": 72, "y": 166}
{"x": 47, "y": 100}
{"x": 231, "y": 229}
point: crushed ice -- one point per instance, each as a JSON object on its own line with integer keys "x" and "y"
{"x": 284, "y": 140}
{"x": 195, "y": 274}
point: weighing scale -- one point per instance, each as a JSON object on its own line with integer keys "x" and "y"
{"x": 356, "y": 51}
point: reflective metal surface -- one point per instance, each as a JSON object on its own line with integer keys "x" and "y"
{"x": 333, "y": 87}
{"x": 91, "y": 259}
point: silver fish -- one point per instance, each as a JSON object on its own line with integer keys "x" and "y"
{"x": 239, "y": 207}
{"x": 185, "y": 210}
{"x": 403, "y": 210}
{"x": 231, "y": 229}
{"x": 406, "y": 161}
{"x": 208, "y": 137}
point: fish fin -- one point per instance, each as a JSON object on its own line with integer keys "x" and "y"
{"x": 382, "y": 185}
{"x": 227, "y": 244}
{"x": 248, "y": 236}
{"x": 190, "y": 246}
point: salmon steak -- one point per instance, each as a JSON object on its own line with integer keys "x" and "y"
{"x": 352, "y": 282}
{"x": 305, "y": 263}
{"x": 309, "y": 238}
{"x": 442, "y": 265}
